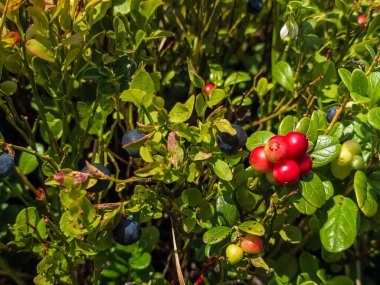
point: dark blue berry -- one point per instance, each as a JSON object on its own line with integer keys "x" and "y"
{"x": 254, "y": 6}
{"x": 331, "y": 113}
{"x": 100, "y": 184}
{"x": 231, "y": 144}
{"x": 133, "y": 136}
{"x": 127, "y": 232}
{"x": 7, "y": 164}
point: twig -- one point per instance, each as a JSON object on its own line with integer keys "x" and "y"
{"x": 337, "y": 114}
{"x": 177, "y": 262}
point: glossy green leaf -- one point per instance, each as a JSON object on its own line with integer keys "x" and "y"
{"x": 309, "y": 264}
{"x": 182, "y": 112}
{"x": 312, "y": 190}
{"x": 291, "y": 234}
{"x": 259, "y": 262}
{"x": 287, "y": 125}
{"x": 192, "y": 197}
{"x": 365, "y": 195}
{"x": 340, "y": 228}
{"x": 283, "y": 74}
{"x": 222, "y": 170}
{"x": 326, "y": 149}
{"x": 345, "y": 75}
{"x": 340, "y": 280}
{"x": 140, "y": 262}
{"x": 148, "y": 7}
{"x": 252, "y": 227}
{"x": 359, "y": 82}
{"x": 216, "y": 234}
{"x": 216, "y": 96}
{"x": 374, "y": 117}
{"x": 236, "y": 78}
{"x": 258, "y": 139}
{"x": 226, "y": 210}
{"x": 309, "y": 128}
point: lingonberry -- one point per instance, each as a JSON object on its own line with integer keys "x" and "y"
{"x": 305, "y": 164}
{"x": 297, "y": 145}
{"x": 258, "y": 160}
{"x": 234, "y": 253}
{"x": 252, "y": 244}
{"x": 362, "y": 20}
{"x": 209, "y": 87}
{"x": 276, "y": 149}
{"x": 286, "y": 173}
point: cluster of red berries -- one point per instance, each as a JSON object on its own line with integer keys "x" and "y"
{"x": 283, "y": 158}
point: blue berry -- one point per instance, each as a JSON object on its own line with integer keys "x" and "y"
{"x": 331, "y": 113}
{"x": 231, "y": 144}
{"x": 100, "y": 184}
{"x": 127, "y": 232}
{"x": 254, "y": 6}
{"x": 132, "y": 136}
{"x": 7, "y": 164}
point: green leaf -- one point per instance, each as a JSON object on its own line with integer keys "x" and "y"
{"x": 38, "y": 49}
{"x": 359, "y": 98}
{"x": 337, "y": 130}
{"x": 319, "y": 119}
{"x": 365, "y": 195}
{"x": 291, "y": 234}
{"x": 287, "y": 125}
{"x": 309, "y": 264}
{"x": 137, "y": 97}
{"x": 140, "y": 262}
{"x": 236, "y": 78}
{"x": 326, "y": 149}
{"x": 345, "y": 75}
{"x": 252, "y": 227}
{"x": 27, "y": 162}
{"x": 340, "y": 229}
{"x": 193, "y": 75}
{"x": 312, "y": 190}
{"x": 329, "y": 189}
{"x": 257, "y": 139}
{"x": 147, "y": 7}
{"x": 192, "y": 197}
{"x": 222, "y": 170}
{"x": 142, "y": 81}
{"x": 224, "y": 126}
{"x": 259, "y": 262}
{"x": 374, "y": 117}
{"x": 216, "y": 234}
{"x": 309, "y": 128}
{"x": 283, "y": 74}
{"x": 263, "y": 87}
{"x": 340, "y": 280}
{"x": 200, "y": 105}
{"x": 227, "y": 210}
{"x": 216, "y": 96}
{"x": 8, "y": 87}
{"x": 359, "y": 82}
{"x": 182, "y": 112}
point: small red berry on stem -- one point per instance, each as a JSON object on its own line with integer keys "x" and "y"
{"x": 287, "y": 173}
{"x": 362, "y": 20}
{"x": 258, "y": 160}
{"x": 297, "y": 145}
{"x": 276, "y": 149}
{"x": 252, "y": 244}
{"x": 305, "y": 164}
{"x": 209, "y": 87}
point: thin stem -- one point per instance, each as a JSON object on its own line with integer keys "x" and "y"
{"x": 337, "y": 114}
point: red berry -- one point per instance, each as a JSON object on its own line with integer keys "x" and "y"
{"x": 252, "y": 244}
{"x": 297, "y": 145}
{"x": 305, "y": 164}
{"x": 287, "y": 173}
{"x": 276, "y": 149}
{"x": 362, "y": 19}
{"x": 259, "y": 161}
{"x": 209, "y": 87}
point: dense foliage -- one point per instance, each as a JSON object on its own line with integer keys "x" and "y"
{"x": 166, "y": 142}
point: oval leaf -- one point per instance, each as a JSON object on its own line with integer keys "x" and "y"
{"x": 38, "y": 49}
{"x": 216, "y": 234}
{"x": 326, "y": 149}
{"x": 252, "y": 227}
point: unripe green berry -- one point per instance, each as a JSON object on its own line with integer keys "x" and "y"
{"x": 357, "y": 162}
{"x": 234, "y": 253}
{"x": 353, "y": 146}
{"x": 345, "y": 157}
{"x": 339, "y": 171}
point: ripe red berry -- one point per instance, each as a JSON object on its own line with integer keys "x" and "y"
{"x": 276, "y": 149}
{"x": 305, "y": 164}
{"x": 252, "y": 244}
{"x": 287, "y": 173}
{"x": 362, "y": 20}
{"x": 259, "y": 161}
{"x": 209, "y": 87}
{"x": 297, "y": 145}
